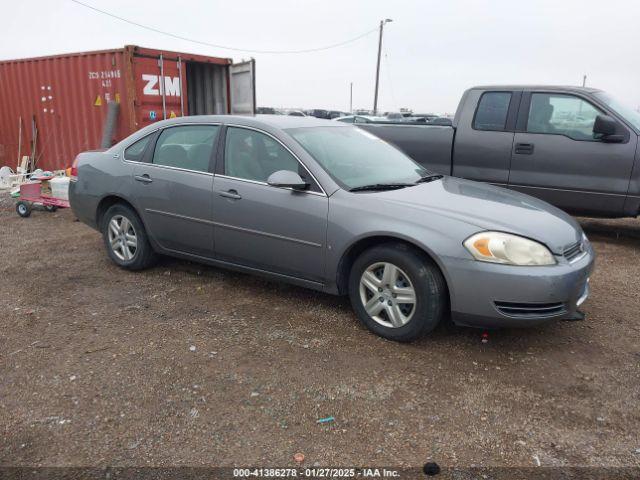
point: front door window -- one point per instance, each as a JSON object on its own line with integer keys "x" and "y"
{"x": 561, "y": 114}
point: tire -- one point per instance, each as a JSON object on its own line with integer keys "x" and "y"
{"x": 50, "y": 208}
{"x": 23, "y": 209}
{"x": 120, "y": 227}
{"x": 414, "y": 271}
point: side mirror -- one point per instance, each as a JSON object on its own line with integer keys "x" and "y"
{"x": 605, "y": 128}
{"x": 287, "y": 179}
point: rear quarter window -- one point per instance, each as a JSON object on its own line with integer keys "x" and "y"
{"x": 492, "y": 110}
{"x": 135, "y": 152}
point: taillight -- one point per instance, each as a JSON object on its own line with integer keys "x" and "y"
{"x": 73, "y": 171}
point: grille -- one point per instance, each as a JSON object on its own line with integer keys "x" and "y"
{"x": 529, "y": 310}
{"x": 574, "y": 252}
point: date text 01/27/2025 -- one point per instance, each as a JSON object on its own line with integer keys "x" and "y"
{"x": 316, "y": 472}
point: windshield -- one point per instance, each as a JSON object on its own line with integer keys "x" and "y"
{"x": 355, "y": 158}
{"x": 630, "y": 115}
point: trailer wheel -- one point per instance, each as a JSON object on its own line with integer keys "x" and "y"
{"x": 23, "y": 209}
{"x": 50, "y": 208}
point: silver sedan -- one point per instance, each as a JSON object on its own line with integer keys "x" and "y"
{"x": 331, "y": 207}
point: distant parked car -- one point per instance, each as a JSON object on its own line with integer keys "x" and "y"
{"x": 394, "y": 116}
{"x": 332, "y": 207}
{"x": 335, "y": 114}
{"x": 318, "y": 113}
{"x": 296, "y": 113}
{"x": 354, "y": 119}
{"x": 443, "y": 121}
{"x": 428, "y": 117}
{"x": 267, "y": 111}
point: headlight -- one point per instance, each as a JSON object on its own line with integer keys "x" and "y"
{"x": 498, "y": 247}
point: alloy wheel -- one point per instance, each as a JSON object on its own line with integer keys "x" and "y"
{"x": 387, "y": 295}
{"x": 122, "y": 238}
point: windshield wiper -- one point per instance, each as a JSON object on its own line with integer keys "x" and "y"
{"x": 430, "y": 178}
{"x": 381, "y": 186}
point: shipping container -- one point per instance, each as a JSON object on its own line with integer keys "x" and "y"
{"x": 52, "y": 108}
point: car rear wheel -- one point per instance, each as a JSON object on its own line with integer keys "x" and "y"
{"x": 126, "y": 239}
{"x": 397, "y": 292}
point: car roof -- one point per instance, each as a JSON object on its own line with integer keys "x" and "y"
{"x": 274, "y": 121}
{"x": 564, "y": 88}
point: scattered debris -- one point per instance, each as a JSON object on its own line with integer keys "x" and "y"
{"x": 326, "y": 420}
{"x": 72, "y": 378}
{"x": 537, "y": 459}
{"x": 193, "y": 413}
{"x": 255, "y": 394}
{"x": 299, "y": 457}
{"x": 485, "y": 337}
{"x": 133, "y": 445}
{"x": 99, "y": 349}
{"x": 192, "y": 348}
{"x": 431, "y": 469}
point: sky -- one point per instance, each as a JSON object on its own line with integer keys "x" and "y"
{"x": 432, "y": 51}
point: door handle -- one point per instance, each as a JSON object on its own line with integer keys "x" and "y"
{"x": 524, "y": 148}
{"x": 143, "y": 178}
{"x": 231, "y": 194}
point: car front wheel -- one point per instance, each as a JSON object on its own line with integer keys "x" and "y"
{"x": 397, "y": 292}
{"x": 126, "y": 239}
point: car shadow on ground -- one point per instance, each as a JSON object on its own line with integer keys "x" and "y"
{"x": 445, "y": 335}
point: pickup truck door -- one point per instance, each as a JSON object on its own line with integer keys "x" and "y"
{"x": 556, "y": 158}
{"x": 484, "y": 135}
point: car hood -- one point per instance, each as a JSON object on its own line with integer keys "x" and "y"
{"x": 490, "y": 208}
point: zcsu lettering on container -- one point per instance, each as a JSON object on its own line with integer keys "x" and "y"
{"x": 154, "y": 87}
{"x": 105, "y": 76}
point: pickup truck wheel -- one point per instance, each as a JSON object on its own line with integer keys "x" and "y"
{"x": 397, "y": 292}
{"x": 126, "y": 239}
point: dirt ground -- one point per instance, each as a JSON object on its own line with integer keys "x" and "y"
{"x": 191, "y": 365}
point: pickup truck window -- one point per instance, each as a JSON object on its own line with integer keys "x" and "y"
{"x": 491, "y": 113}
{"x": 561, "y": 114}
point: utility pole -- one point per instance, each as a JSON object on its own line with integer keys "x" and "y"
{"x": 584, "y": 80}
{"x": 375, "y": 96}
{"x": 351, "y": 97}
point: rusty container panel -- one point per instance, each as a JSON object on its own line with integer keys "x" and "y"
{"x": 66, "y": 97}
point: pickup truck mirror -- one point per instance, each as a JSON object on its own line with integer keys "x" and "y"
{"x": 287, "y": 179}
{"x": 605, "y": 129}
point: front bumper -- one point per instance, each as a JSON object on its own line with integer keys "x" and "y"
{"x": 493, "y": 295}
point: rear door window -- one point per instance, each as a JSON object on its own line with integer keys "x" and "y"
{"x": 189, "y": 147}
{"x": 492, "y": 110}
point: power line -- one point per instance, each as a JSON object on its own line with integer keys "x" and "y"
{"x": 248, "y": 50}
